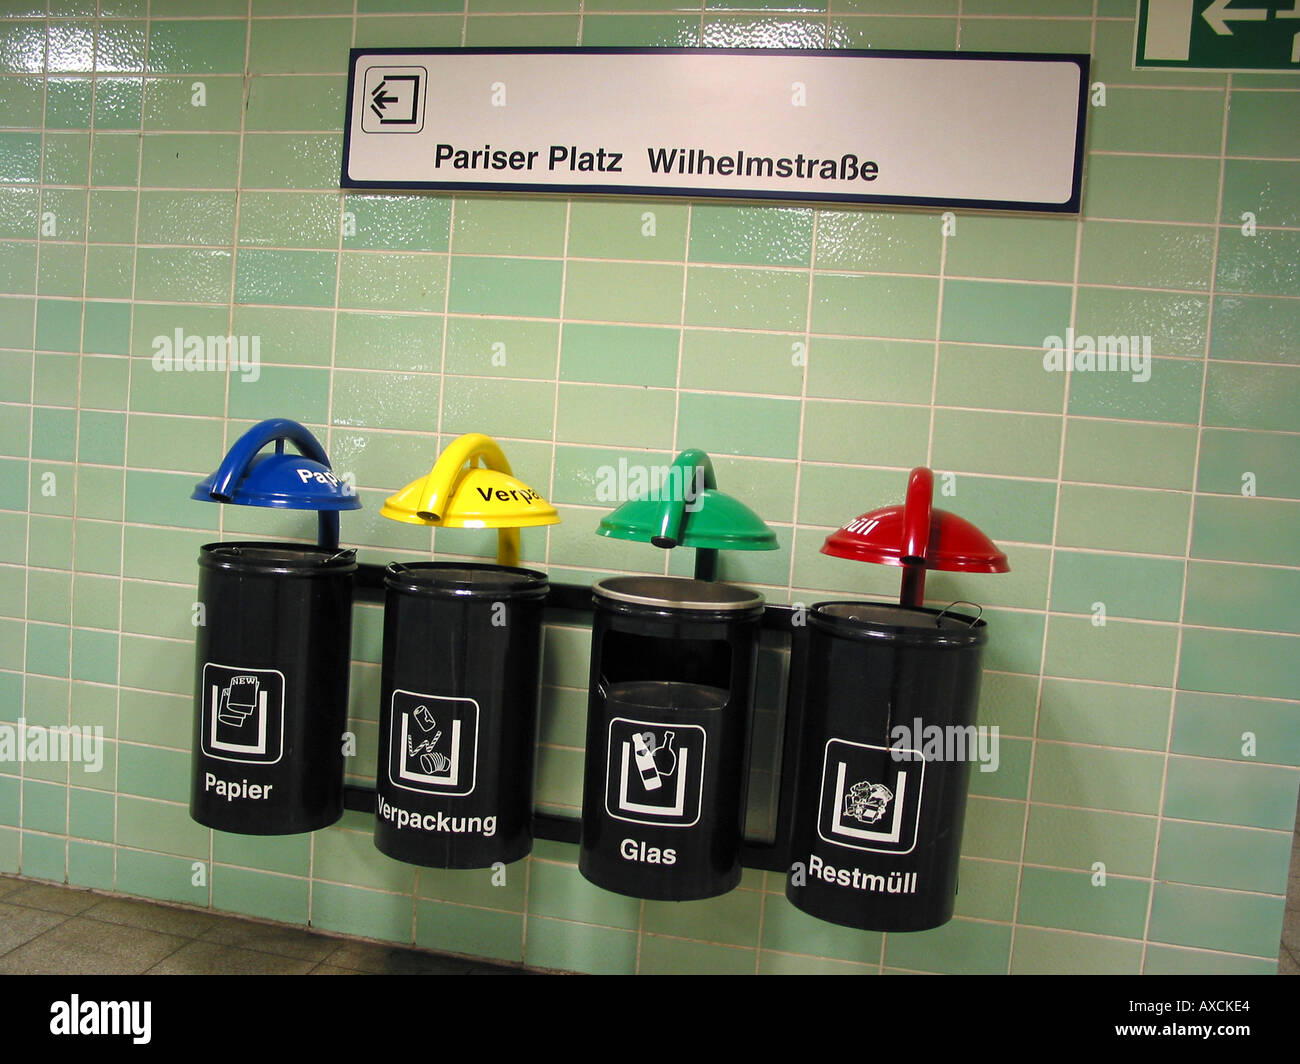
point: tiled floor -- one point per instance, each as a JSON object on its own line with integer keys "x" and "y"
{"x": 53, "y": 930}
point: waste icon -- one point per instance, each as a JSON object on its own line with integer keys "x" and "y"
{"x": 871, "y": 796}
{"x": 431, "y": 761}
{"x": 655, "y": 762}
{"x": 243, "y": 714}
{"x": 654, "y": 774}
{"x": 433, "y": 742}
{"x": 238, "y": 701}
{"x": 866, "y": 802}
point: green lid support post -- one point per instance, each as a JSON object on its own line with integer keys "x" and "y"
{"x": 688, "y": 510}
{"x": 690, "y": 475}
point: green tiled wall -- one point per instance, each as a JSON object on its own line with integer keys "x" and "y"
{"x": 1158, "y": 752}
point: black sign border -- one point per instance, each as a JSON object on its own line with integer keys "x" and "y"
{"x": 1070, "y": 206}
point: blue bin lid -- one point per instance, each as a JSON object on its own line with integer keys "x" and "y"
{"x": 278, "y": 479}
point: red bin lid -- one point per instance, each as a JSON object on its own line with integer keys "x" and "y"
{"x": 955, "y": 544}
{"x": 916, "y": 535}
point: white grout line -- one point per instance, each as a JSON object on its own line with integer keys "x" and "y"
{"x": 1051, "y": 564}
{"x": 1191, "y": 517}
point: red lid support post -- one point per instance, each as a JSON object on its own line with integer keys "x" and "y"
{"x": 916, "y": 536}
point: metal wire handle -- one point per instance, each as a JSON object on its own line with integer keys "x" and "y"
{"x": 979, "y": 611}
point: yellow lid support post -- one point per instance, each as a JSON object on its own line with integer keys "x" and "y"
{"x": 459, "y": 493}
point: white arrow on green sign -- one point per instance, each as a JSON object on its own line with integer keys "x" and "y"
{"x": 1219, "y": 34}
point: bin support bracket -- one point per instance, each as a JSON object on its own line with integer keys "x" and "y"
{"x": 576, "y": 598}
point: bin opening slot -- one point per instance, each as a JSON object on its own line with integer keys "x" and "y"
{"x": 630, "y": 657}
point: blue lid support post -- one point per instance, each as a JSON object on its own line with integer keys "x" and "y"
{"x": 304, "y": 481}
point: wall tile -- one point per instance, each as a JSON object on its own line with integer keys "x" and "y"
{"x": 617, "y": 292}
{"x": 118, "y": 103}
{"x": 1078, "y": 838}
{"x": 1255, "y": 329}
{"x": 379, "y": 281}
{"x": 626, "y": 416}
{"x": 187, "y": 160}
{"x": 289, "y": 220}
{"x": 1263, "y": 264}
{"x": 1265, "y": 189}
{"x": 1157, "y": 256}
{"x": 1222, "y": 793}
{"x": 1250, "y": 123}
{"x": 1151, "y": 188}
{"x": 285, "y": 161}
{"x": 996, "y": 443}
{"x": 509, "y": 227}
{"x": 524, "y": 287}
{"x": 1160, "y": 120}
{"x": 988, "y": 313}
{"x": 1237, "y": 596}
{"x": 1249, "y": 663}
{"x": 1234, "y": 728}
{"x": 1074, "y": 901}
{"x": 1236, "y": 858}
{"x": 620, "y": 354}
{"x": 1251, "y": 396}
{"x": 1216, "y": 919}
{"x": 860, "y": 305}
{"x": 646, "y": 31}
{"x": 651, "y": 232}
{"x": 1243, "y": 529}
{"x": 1118, "y": 780}
{"x": 184, "y": 47}
{"x": 298, "y": 46}
{"x": 747, "y": 299}
{"x": 1030, "y": 249}
{"x": 181, "y": 103}
{"x": 1106, "y": 714}
{"x": 838, "y": 432}
{"x": 303, "y": 278}
{"x": 1043, "y": 952}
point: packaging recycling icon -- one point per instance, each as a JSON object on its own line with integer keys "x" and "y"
{"x": 433, "y": 743}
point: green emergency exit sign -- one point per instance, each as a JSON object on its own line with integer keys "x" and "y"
{"x": 1219, "y": 34}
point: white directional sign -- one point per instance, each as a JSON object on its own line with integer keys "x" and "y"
{"x": 938, "y": 129}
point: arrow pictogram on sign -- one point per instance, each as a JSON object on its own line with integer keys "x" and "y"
{"x": 393, "y": 100}
{"x": 1218, "y": 14}
{"x": 379, "y": 99}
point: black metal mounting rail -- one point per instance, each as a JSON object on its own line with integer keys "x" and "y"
{"x": 576, "y": 598}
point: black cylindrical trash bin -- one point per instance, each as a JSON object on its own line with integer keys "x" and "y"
{"x": 672, "y": 667}
{"x": 887, "y": 738}
{"x": 458, "y": 716}
{"x": 271, "y": 686}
